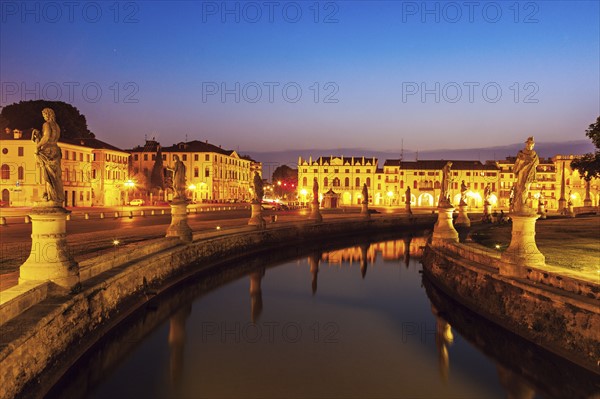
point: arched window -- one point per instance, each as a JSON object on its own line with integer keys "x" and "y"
{"x": 20, "y": 173}
{"x": 401, "y": 183}
{"x": 415, "y": 184}
{"x": 358, "y": 182}
{"x": 304, "y": 181}
{"x": 368, "y": 182}
{"x": 437, "y": 185}
{"x": 325, "y": 182}
{"x": 5, "y": 172}
{"x": 347, "y": 182}
{"x": 336, "y": 182}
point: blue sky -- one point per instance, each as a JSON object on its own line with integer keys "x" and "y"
{"x": 531, "y": 68}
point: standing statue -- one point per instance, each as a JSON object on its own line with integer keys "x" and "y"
{"x": 48, "y": 155}
{"x": 446, "y": 184}
{"x": 407, "y": 197}
{"x": 178, "y": 178}
{"x": 315, "y": 191}
{"x": 365, "y": 194}
{"x": 487, "y": 193}
{"x": 259, "y": 192}
{"x": 524, "y": 170}
{"x": 463, "y": 193}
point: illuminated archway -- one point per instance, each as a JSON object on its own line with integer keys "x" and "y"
{"x": 347, "y": 198}
{"x": 425, "y": 200}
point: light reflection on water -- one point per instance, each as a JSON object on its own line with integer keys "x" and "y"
{"x": 347, "y": 323}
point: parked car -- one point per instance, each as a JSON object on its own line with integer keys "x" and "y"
{"x": 137, "y": 202}
{"x": 274, "y": 206}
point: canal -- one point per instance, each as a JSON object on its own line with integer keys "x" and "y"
{"x": 346, "y": 320}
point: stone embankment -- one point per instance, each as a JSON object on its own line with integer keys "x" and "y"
{"x": 44, "y": 330}
{"x": 559, "y": 311}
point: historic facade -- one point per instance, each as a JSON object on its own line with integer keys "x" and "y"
{"x": 388, "y": 184}
{"x": 212, "y": 173}
{"x": 93, "y": 172}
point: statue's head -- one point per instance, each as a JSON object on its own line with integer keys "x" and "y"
{"x": 176, "y": 157}
{"x": 530, "y": 142}
{"x": 48, "y": 114}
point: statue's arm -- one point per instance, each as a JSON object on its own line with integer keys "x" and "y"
{"x": 46, "y": 132}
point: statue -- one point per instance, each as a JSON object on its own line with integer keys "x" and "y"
{"x": 179, "y": 178}
{"x": 365, "y": 194}
{"x": 48, "y": 155}
{"x": 407, "y": 196}
{"x": 259, "y": 192}
{"x": 446, "y": 184}
{"x": 463, "y": 193}
{"x": 524, "y": 170}
{"x": 315, "y": 191}
{"x": 487, "y": 193}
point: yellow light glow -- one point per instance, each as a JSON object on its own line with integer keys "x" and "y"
{"x": 390, "y": 194}
{"x": 129, "y": 183}
{"x": 192, "y": 186}
{"x": 573, "y": 196}
{"x": 116, "y": 242}
{"x": 279, "y": 182}
{"x": 218, "y": 227}
{"x": 303, "y": 191}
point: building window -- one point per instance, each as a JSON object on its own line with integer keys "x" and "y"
{"x": 184, "y": 157}
{"x": 206, "y": 172}
{"x": 164, "y": 157}
{"x": 325, "y": 170}
{"x": 196, "y": 172}
{"x": 325, "y": 182}
{"x": 357, "y": 170}
{"x": 468, "y": 173}
{"x": 195, "y": 157}
{"x": 67, "y": 154}
{"x": 207, "y": 157}
{"x": 20, "y": 173}
{"x": 378, "y": 186}
{"x": 81, "y": 157}
{"x": 415, "y": 184}
{"x": 368, "y": 170}
{"x": 315, "y": 170}
{"x": 347, "y": 170}
{"x": 94, "y": 174}
{"x": 305, "y": 170}
{"x": 357, "y": 182}
{"x": 20, "y": 151}
{"x": 145, "y": 157}
{"x": 135, "y": 157}
{"x": 368, "y": 182}
{"x": 336, "y": 182}
{"x": 336, "y": 171}
{"x": 154, "y": 157}
{"x": 5, "y": 151}
{"x": 304, "y": 181}
{"x": 401, "y": 183}
{"x": 346, "y": 182}
{"x": 5, "y": 172}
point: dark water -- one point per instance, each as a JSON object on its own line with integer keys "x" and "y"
{"x": 357, "y": 322}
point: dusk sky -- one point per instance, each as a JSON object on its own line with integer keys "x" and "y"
{"x": 501, "y": 70}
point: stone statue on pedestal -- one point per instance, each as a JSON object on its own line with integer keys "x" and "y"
{"x": 49, "y": 156}
{"x": 444, "y": 201}
{"x": 259, "y": 192}
{"x": 524, "y": 170}
{"x": 365, "y": 194}
{"x": 315, "y": 190}
{"x": 487, "y": 193}
{"x": 463, "y": 193}
{"x": 407, "y": 196}
{"x": 179, "y": 185}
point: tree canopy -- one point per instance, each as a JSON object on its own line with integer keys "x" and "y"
{"x": 288, "y": 178}
{"x": 26, "y": 115}
{"x": 589, "y": 165}
{"x": 157, "y": 181}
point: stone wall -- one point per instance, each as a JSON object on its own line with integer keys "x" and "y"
{"x": 564, "y": 321}
{"x": 38, "y": 345}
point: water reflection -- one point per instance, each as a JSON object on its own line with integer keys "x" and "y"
{"x": 360, "y": 337}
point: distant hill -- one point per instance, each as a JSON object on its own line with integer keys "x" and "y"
{"x": 544, "y": 150}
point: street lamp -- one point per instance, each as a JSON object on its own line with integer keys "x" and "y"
{"x": 390, "y": 195}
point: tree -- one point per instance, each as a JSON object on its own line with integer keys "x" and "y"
{"x": 588, "y": 165}
{"x": 26, "y": 115}
{"x": 157, "y": 180}
{"x": 285, "y": 181}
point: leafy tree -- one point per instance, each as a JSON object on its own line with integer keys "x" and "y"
{"x": 588, "y": 166}
{"x": 157, "y": 180}
{"x": 288, "y": 178}
{"x": 26, "y": 115}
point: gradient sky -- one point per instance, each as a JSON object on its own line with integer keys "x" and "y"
{"x": 165, "y": 55}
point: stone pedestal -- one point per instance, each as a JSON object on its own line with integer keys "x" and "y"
{"x": 444, "y": 229}
{"x": 587, "y": 202}
{"x": 315, "y": 214}
{"x": 364, "y": 211}
{"x": 522, "y": 251}
{"x": 542, "y": 211}
{"x": 463, "y": 217}
{"x": 50, "y": 257}
{"x": 487, "y": 212}
{"x": 256, "y": 218}
{"x": 570, "y": 211}
{"x": 179, "y": 226}
{"x": 562, "y": 206}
